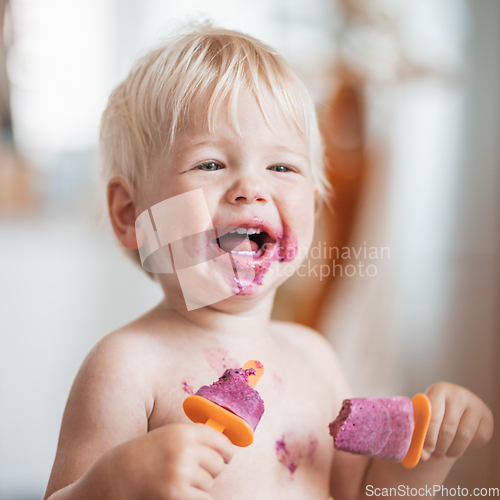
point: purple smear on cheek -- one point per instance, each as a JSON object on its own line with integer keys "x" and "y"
{"x": 287, "y": 246}
{"x": 286, "y": 250}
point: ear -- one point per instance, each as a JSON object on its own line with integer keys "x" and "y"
{"x": 318, "y": 204}
{"x": 122, "y": 211}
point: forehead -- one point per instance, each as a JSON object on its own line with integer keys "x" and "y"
{"x": 243, "y": 117}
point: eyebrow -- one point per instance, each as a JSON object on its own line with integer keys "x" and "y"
{"x": 283, "y": 149}
{"x": 197, "y": 145}
{"x": 205, "y": 142}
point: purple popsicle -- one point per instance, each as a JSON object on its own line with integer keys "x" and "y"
{"x": 375, "y": 427}
{"x": 233, "y": 393}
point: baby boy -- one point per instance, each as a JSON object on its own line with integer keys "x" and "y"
{"x": 213, "y": 162}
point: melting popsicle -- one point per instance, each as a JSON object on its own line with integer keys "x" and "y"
{"x": 391, "y": 428}
{"x": 230, "y": 405}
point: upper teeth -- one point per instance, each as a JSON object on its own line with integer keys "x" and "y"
{"x": 250, "y": 230}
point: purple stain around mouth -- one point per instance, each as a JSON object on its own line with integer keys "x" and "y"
{"x": 285, "y": 249}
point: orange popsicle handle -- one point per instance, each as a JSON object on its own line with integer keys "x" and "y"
{"x": 422, "y": 418}
{"x": 203, "y": 411}
{"x": 259, "y": 371}
{"x": 215, "y": 425}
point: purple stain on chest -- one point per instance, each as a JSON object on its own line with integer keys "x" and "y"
{"x": 313, "y": 445}
{"x": 292, "y": 451}
{"x": 220, "y": 359}
{"x": 284, "y": 455}
{"x": 277, "y": 378}
{"x": 187, "y": 388}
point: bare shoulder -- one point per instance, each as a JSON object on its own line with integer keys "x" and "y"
{"x": 131, "y": 348}
{"x": 128, "y": 341}
{"x": 113, "y": 381}
{"x": 114, "y": 359}
{"x": 109, "y": 402}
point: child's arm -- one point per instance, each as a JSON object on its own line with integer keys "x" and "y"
{"x": 105, "y": 450}
{"x": 459, "y": 420}
{"x": 173, "y": 462}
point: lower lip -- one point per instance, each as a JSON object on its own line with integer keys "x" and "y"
{"x": 283, "y": 250}
{"x": 256, "y": 263}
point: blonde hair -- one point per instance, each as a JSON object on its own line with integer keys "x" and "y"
{"x": 152, "y": 104}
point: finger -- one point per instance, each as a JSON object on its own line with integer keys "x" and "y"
{"x": 197, "y": 494}
{"x": 202, "y": 480}
{"x": 448, "y": 430}
{"x": 217, "y": 441}
{"x": 467, "y": 429}
{"x": 212, "y": 461}
{"x": 437, "y": 414}
{"x": 484, "y": 431}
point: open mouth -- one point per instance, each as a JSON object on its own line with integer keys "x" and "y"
{"x": 234, "y": 242}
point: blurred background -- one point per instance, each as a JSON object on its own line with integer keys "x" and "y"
{"x": 407, "y": 92}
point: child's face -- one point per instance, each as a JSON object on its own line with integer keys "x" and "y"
{"x": 259, "y": 180}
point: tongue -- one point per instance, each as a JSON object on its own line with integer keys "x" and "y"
{"x": 253, "y": 246}
{"x": 236, "y": 242}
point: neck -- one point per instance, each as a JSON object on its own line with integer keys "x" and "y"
{"x": 228, "y": 320}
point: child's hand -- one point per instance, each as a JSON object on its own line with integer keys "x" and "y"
{"x": 459, "y": 419}
{"x": 173, "y": 462}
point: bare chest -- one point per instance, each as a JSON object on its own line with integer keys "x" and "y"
{"x": 292, "y": 450}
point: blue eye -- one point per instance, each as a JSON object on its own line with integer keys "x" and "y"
{"x": 209, "y": 166}
{"x": 280, "y": 168}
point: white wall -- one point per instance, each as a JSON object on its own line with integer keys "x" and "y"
{"x": 64, "y": 284}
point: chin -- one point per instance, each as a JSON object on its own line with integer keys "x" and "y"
{"x": 246, "y": 299}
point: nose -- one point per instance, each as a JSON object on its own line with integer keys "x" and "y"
{"x": 247, "y": 191}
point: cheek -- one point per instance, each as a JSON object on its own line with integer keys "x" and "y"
{"x": 213, "y": 196}
{"x": 297, "y": 215}
{"x": 162, "y": 187}
{"x": 300, "y": 215}
{"x": 155, "y": 191}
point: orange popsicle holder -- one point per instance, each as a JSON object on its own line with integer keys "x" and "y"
{"x": 422, "y": 418}
{"x": 201, "y": 410}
